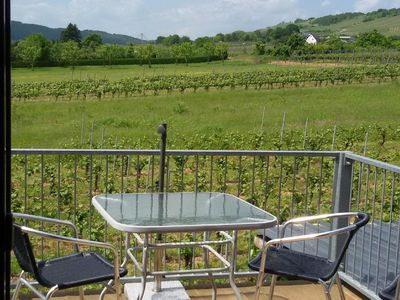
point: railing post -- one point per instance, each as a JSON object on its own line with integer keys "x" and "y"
{"x": 341, "y": 198}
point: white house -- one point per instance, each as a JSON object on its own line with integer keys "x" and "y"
{"x": 312, "y": 39}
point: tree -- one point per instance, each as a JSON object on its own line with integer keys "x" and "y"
{"x": 260, "y": 48}
{"x": 69, "y": 53}
{"x": 92, "y": 41}
{"x": 209, "y": 49}
{"x": 33, "y": 48}
{"x": 186, "y": 51}
{"x": 110, "y": 52}
{"x": 71, "y": 33}
{"x": 160, "y": 39}
{"x": 373, "y": 39}
{"x": 222, "y": 51}
{"x": 295, "y": 41}
{"x": 146, "y": 53}
{"x": 220, "y": 37}
{"x": 29, "y": 51}
{"x": 175, "y": 51}
{"x": 334, "y": 43}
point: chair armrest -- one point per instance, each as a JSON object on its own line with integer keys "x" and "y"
{"x": 47, "y": 220}
{"x": 314, "y": 218}
{"x": 70, "y": 240}
{"x": 306, "y": 237}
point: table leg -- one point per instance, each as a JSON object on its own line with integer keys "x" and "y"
{"x": 233, "y": 266}
{"x": 158, "y": 254}
{"x": 206, "y": 262}
{"x": 144, "y": 266}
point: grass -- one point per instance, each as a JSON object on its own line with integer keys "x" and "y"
{"x": 238, "y": 64}
{"x": 52, "y": 124}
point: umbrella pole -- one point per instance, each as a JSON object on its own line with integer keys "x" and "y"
{"x": 162, "y": 130}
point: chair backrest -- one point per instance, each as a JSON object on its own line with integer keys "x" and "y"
{"x": 23, "y": 251}
{"x": 360, "y": 220}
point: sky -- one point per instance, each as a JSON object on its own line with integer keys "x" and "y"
{"x": 193, "y": 18}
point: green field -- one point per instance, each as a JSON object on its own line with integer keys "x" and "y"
{"x": 53, "y": 124}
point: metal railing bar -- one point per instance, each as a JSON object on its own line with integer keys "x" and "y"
{"x": 90, "y": 195}
{"x": 196, "y": 172}
{"x": 372, "y": 162}
{"x": 321, "y": 168}
{"x": 358, "y": 196}
{"x": 58, "y": 198}
{"x": 211, "y": 172}
{"x": 266, "y": 183}
{"x": 380, "y": 228}
{"x": 239, "y": 190}
{"x": 372, "y": 229}
{"x": 75, "y": 187}
{"x": 390, "y": 229}
{"x": 182, "y": 152}
{"x": 306, "y": 199}
{"x": 25, "y": 183}
{"x": 365, "y": 209}
{"x": 42, "y": 199}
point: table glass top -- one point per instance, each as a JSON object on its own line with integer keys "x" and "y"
{"x": 153, "y": 212}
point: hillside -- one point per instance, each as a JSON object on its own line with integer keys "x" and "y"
{"x": 20, "y": 30}
{"x": 388, "y": 25}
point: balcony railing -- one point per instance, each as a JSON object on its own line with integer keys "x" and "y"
{"x": 61, "y": 183}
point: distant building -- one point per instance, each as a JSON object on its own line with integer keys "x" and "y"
{"x": 311, "y": 38}
{"x": 347, "y": 38}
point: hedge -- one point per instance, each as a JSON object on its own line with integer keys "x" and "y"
{"x": 119, "y": 61}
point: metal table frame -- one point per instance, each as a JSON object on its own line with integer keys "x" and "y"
{"x": 145, "y": 245}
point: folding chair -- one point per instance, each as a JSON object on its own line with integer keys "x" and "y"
{"x": 277, "y": 259}
{"x": 75, "y": 270}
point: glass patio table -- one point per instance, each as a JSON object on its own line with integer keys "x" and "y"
{"x": 144, "y": 214}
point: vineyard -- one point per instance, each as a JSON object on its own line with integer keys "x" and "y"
{"x": 101, "y": 88}
{"x": 371, "y": 57}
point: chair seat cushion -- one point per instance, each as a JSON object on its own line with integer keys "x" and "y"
{"x": 284, "y": 261}
{"x": 76, "y": 269}
{"x": 388, "y": 293}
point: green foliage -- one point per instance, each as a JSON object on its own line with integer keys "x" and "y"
{"x": 92, "y": 41}
{"x": 186, "y": 50}
{"x": 69, "y": 53}
{"x": 146, "y": 53}
{"x": 295, "y": 41}
{"x": 33, "y": 48}
{"x": 373, "y": 39}
{"x": 222, "y": 50}
{"x": 260, "y": 48}
{"x": 110, "y": 52}
{"x": 71, "y": 33}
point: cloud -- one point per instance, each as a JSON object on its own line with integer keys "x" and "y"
{"x": 367, "y": 5}
{"x": 198, "y": 18}
{"x": 326, "y": 3}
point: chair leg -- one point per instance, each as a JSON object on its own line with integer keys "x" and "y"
{"x": 327, "y": 291}
{"x": 104, "y": 290}
{"x": 81, "y": 293}
{"x": 18, "y": 286}
{"x": 260, "y": 280}
{"x": 272, "y": 287}
{"x": 340, "y": 287}
{"x": 51, "y": 292}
